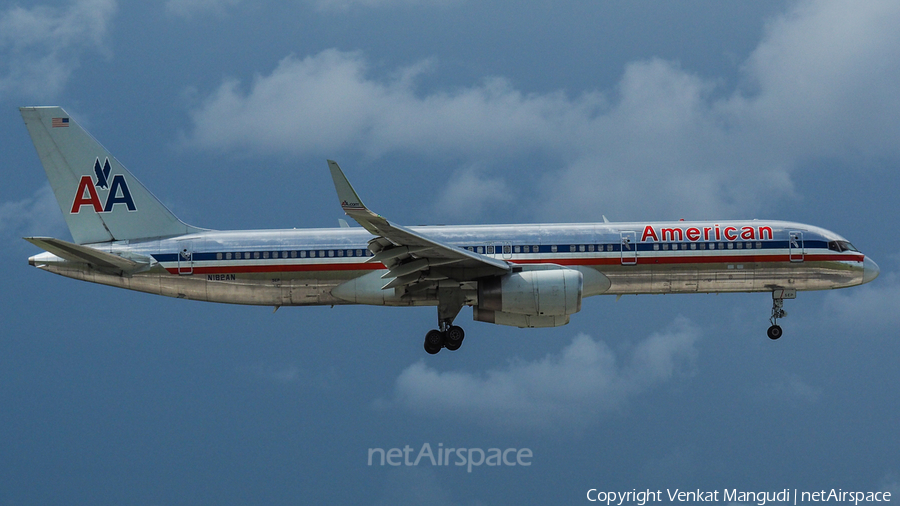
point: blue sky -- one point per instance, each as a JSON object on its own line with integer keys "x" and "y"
{"x": 453, "y": 111}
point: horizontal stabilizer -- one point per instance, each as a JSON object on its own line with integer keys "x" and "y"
{"x": 101, "y": 260}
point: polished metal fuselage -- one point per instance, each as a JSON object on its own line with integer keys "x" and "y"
{"x": 302, "y": 267}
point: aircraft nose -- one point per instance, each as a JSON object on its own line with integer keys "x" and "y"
{"x": 870, "y": 270}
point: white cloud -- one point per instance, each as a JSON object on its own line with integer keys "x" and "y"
{"x": 822, "y": 82}
{"x": 874, "y": 307}
{"x": 571, "y": 388}
{"x": 468, "y": 191}
{"x": 325, "y": 103}
{"x": 40, "y": 47}
{"x": 35, "y": 215}
{"x": 825, "y": 77}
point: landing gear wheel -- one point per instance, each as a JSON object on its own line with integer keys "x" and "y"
{"x": 774, "y": 332}
{"x": 453, "y": 338}
{"x": 434, "y": 341}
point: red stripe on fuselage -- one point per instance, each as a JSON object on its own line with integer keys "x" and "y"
{"x": 617, "y": 260}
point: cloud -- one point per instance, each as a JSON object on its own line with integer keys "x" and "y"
{"x": 468, "y": 191}
{"x": 821, "y": 83}
{"x": 326, "y": 102}
{"x": 874, "y": 306}
{"x": 572, "y": 388}
{"x": 825, "y": 77}
{"x": 35, "y": 215}
{"x": 40, "y": 47}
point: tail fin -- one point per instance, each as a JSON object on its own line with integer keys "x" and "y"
{"x": 100, "y": 200}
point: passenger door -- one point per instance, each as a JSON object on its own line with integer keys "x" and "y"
{"x": 628, "y": 246}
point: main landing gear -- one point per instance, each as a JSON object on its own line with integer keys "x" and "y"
{"x": 778, "y": 311}
{"x": 446, "y": 335}
{"x": 451, "y": 338}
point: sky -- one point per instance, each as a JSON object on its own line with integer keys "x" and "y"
{"x": 454, "y": 112}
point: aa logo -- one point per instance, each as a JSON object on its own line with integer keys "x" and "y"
{"x": 116, "y": 190}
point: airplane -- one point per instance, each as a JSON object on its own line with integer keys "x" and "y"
{"x": 531, "y": 275}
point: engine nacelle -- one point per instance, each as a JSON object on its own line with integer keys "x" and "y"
{"x": 546, "y": 292}
{"x": 517, "y": 320}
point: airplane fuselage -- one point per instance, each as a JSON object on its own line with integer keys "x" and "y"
{"x": 303, "y": 267}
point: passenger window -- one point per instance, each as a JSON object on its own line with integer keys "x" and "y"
{"x": 553, "y": 249}
{"x": 340, "y": 252}
{"x": 256, "y": 254}
{"x": 331, "y": 252}
{"x": 721, "y": 245}
{"x": 758, "y": 245}
{"x": 590, "y": 247}
{"x": 740, "y": 245}
{"x": 535, "y": 249}
{"x": 265, "y": 254}
{"x": 480, "y": 249}
{"x": 731, "y": 245}
{"x": 666, "y": 247}
{"x": 518, "y": 249}
{"x": 702, "y": 245}
{"x": 693, "y": 245}
{"x": 359, "y": 253}
{"x": 507, "y": 249}
{"x": 656, "y": 247}
{"x": 293, "y": 254}
{"x": 218, "y": 256}
{"x": 227, "y": 256}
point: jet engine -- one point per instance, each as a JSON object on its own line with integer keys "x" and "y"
{"x": 532, "y": 298}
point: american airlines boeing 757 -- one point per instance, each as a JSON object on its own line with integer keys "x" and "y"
{"x": 517, "y": 275}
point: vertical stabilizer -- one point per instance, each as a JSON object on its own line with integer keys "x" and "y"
{"x": 100, "y": 200}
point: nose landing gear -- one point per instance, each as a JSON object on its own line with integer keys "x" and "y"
{"x": 778, "y": 311}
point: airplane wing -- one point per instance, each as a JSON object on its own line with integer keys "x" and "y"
{"x": 101, "y": 260}
{"x": 411, "y": 258}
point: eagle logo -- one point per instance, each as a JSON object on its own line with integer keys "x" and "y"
{"x": 102, "y": 174}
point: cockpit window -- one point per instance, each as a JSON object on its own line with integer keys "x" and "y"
{"x": 841, "y": 246}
